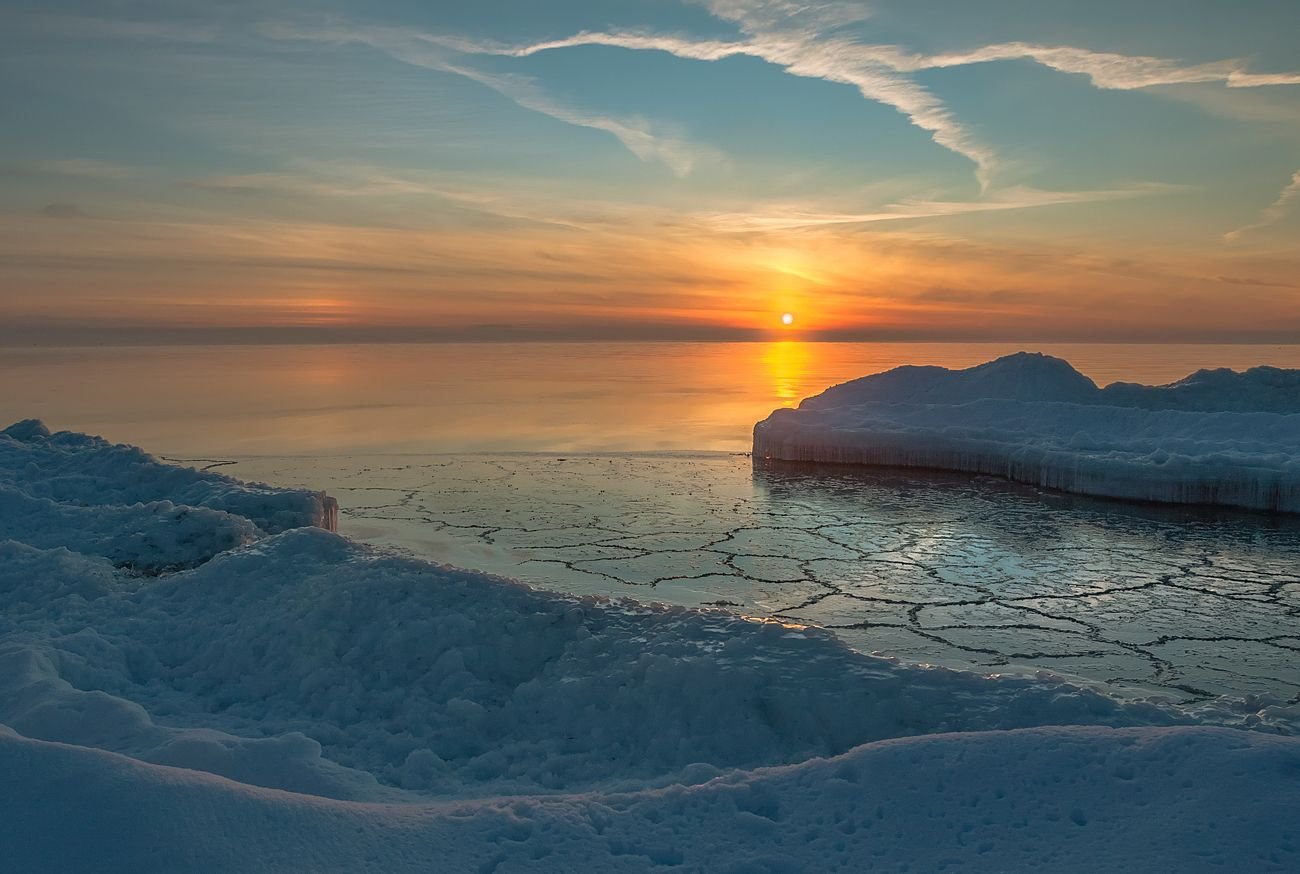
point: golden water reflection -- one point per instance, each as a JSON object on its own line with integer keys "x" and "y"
{"x": 788, "y": 364}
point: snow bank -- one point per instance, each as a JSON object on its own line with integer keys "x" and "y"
{"x": 1216, "y": 437}
{"x": 1082, "y": 800}
{"x": 82, "y": 471}
{"x": 300, "y": 702}
{"x": 149, "y": 538}
{"x": 429, "y": 678}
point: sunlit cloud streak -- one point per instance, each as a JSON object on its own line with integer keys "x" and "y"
{"x": 1277, "y": 211}
{"x": 353, "y": 181}
{"x": 1016, "y": 197}
{"x": 1104, "y": 69}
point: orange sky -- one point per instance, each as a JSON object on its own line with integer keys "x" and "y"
{"x": 656, "y": 170}
{"x": 659, "y": 281}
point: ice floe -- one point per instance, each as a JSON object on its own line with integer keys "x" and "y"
{"x": 1216, "y": 437}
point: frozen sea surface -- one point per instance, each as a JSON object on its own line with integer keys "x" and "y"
{"x": 950, "y": 569}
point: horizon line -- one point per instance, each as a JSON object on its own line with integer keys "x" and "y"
{"x": 281, "y": 337}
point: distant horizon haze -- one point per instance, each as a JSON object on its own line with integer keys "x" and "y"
{"x": 17, "y": 335}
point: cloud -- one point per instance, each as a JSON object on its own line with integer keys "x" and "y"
{"x": 438, "y": 53}
{"x": 968, "y": 296}
{"x": 1019, "y": 197}
{"x": 1240, "y": 79}
{"x": 1277, "y": 211}
{"x": 683, "y": 273}
{"x": 678, "y": 155}
{"x": 1258, "y": 283}
{"x": 328, "y": 185}
{"x": 1105, "y": 69}
{"x": 803, "y": 39}
{"x": 343, "y": 179}
{"x": 803, "y": 49}
{"x": 773, "y": 13}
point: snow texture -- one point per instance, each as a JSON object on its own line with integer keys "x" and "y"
{"x": 79, "y": 471}
{"x": 1063, "y": 800}
{"x": 300, "y": 702}
{"x": 1216, "y": 437}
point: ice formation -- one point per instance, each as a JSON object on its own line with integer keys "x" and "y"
{"x": 1216, "y": 437}
{"x": 232, "y": 699}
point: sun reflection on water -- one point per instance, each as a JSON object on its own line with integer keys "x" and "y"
{"x": 788, "y": 364}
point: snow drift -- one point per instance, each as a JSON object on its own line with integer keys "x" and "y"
{"x": 1216, "y": 437}
{"x": 1063, "y": 800}
{"x": 233, "y": 699}
{"x": 78, "y": 471}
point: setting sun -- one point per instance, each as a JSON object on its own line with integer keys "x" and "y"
{"x": 787, "y": 318}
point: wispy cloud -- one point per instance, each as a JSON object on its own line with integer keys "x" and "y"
{"x": 1277, "y": 211}
{"x": 777, "y": 13}
{"x": 680, "y": 156}
{"x": 1252, "y": 281}
{"x": 1105, "y": 69}
{"x": 796, "y": 217}
{"x": 331, "y": 183}
{"x": 1241, "y": 79}
{"x": 347, "y": 180}
{"x": 804, "y": 44}
{"x": 806, "y": 40}
{"x": 440, "y": 53}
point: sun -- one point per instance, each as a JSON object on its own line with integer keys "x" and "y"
{"x": 787, "y": 318}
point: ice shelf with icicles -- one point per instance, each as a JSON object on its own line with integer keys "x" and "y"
{"x": 1216, "y": 437}
{"x": 281, "y": 702}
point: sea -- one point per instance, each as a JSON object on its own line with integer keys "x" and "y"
{"x": 492, "y": 397}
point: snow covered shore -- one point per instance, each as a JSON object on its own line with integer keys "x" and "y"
{"x": 1058, "y": 800}
{"x": 1216, "y": 437}
{"x": 182, "y": 690}
{"x": 67, "y": 472}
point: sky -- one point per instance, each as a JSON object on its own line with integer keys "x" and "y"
{"x": 649, "y": 169}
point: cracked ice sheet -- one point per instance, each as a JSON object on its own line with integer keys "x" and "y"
{"x": 946, "y": 569}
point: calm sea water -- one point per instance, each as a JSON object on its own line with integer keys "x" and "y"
{"x": 315, "y": 400}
